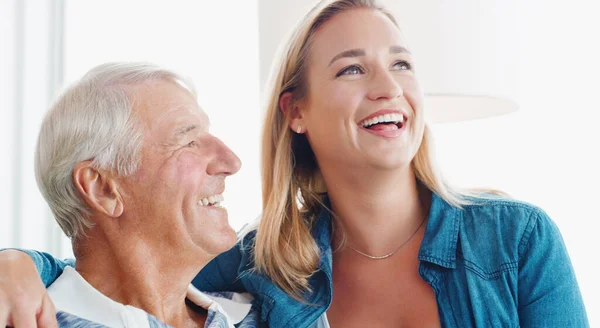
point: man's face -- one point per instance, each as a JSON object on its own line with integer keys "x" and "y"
{"x": 183, "y": 168}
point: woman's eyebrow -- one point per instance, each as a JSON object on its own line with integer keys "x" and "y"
{"x": 398, "y": 50}
{"x": 362, "y": 52}
{"x": 348, "y": 53}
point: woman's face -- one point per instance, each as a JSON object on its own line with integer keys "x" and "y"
{"x": 364, "y": 105}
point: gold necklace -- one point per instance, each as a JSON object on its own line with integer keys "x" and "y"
{"x": 394, "y": 251}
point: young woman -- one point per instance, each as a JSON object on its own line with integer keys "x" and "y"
{"x": 358, "y": 227}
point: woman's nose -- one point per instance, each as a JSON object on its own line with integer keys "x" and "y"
{"x": 384, "y": 85}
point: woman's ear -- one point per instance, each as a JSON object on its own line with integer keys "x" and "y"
{"x": 289, "y": 106}
{"x": 99, "y": 189}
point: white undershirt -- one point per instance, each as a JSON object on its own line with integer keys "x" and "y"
{"x": 321, "y": 322}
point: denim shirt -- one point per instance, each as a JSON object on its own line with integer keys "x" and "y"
{"x": 495, "y": 263}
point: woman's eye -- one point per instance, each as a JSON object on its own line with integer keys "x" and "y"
{"x": 402, "y": 66}
{"x": 351, "y": 70}
{"x": 191, "y": 144}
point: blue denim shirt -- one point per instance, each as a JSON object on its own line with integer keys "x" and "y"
{"x": 495, "y": 263}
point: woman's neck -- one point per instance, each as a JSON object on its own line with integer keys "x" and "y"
{"x": 377, "y": 211}
{"x": 134, "y": 273}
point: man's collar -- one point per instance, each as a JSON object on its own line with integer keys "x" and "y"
{"x": 71, "y": 293}
{"x": 235, "y": 306}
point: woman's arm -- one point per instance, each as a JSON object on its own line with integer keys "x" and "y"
{"x": 48, "y": 267}
{"x": 223, "y": 272}
{"x": 24, "y": 301}
{"x": 548, "y": 292}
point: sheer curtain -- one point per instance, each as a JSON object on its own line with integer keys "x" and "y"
{"x": 31, "y": 65}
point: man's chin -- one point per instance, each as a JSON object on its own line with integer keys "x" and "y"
{"x": 230, "y": 240}
{"x": 221, "y": 242}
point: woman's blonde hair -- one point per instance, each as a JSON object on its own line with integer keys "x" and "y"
{"x": 292, "y": 188}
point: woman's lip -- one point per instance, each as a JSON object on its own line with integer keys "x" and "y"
{"x": 381, "y": 112}
{"x": 386, "y": 133}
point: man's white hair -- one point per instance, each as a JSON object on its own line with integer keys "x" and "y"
{"x": 92, "y": 120}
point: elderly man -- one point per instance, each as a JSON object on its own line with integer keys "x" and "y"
{"x": 128, "y": 166}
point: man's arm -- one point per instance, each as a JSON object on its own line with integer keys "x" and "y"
{"x": 24, "y": 302}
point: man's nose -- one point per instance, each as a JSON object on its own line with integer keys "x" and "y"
{"x": 384, "y": 86}
{"x": 225, "y": 162}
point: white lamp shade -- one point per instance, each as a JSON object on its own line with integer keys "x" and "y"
{"x": 445, "y": 108}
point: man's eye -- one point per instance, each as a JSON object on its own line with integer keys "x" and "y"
{"x": 351, "y": 70}
{"x": 191, "y": 144}
{"x": 402, "y": 66}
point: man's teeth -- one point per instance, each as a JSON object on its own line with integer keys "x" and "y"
{"x": 214, "y": 200}
{"x": 387, "y": 118}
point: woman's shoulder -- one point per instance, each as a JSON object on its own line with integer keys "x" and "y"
{"x": 500, "y": 210}
{"x": 498, "y": 228}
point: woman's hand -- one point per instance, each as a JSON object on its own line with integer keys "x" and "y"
{"x": 24, "y": 301}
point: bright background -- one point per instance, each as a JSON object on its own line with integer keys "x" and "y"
{"x": 546, "y": 153}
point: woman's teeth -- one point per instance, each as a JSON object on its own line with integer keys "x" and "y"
{"x": 387, "y": 118}
{"x": 214, "y": 200}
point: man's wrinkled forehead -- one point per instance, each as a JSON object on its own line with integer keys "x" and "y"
{"x": 183, "y": 120}
{"x": 185, "y": 126}
{"x": 164, "y": 100}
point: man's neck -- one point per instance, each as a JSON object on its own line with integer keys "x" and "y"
{"x": 153, "y": 283}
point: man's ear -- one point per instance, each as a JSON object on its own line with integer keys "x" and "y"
{"x": 289, "y": 106}
{"x": 99, "y": 189}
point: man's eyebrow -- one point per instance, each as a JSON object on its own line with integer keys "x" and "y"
{"x": 184, "y": 129}
{"x": 348, "y": 53}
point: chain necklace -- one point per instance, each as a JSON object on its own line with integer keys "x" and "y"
{"x": 394, "y": 251}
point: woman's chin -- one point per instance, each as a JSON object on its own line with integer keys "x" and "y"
{"x": 390, "y": 160}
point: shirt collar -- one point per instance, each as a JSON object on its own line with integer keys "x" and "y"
{"x": 235, "y": 306}
{"x": 441, "y": 234}
{"x": 438, "y": 245}
{"x": 71, "y": 293}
